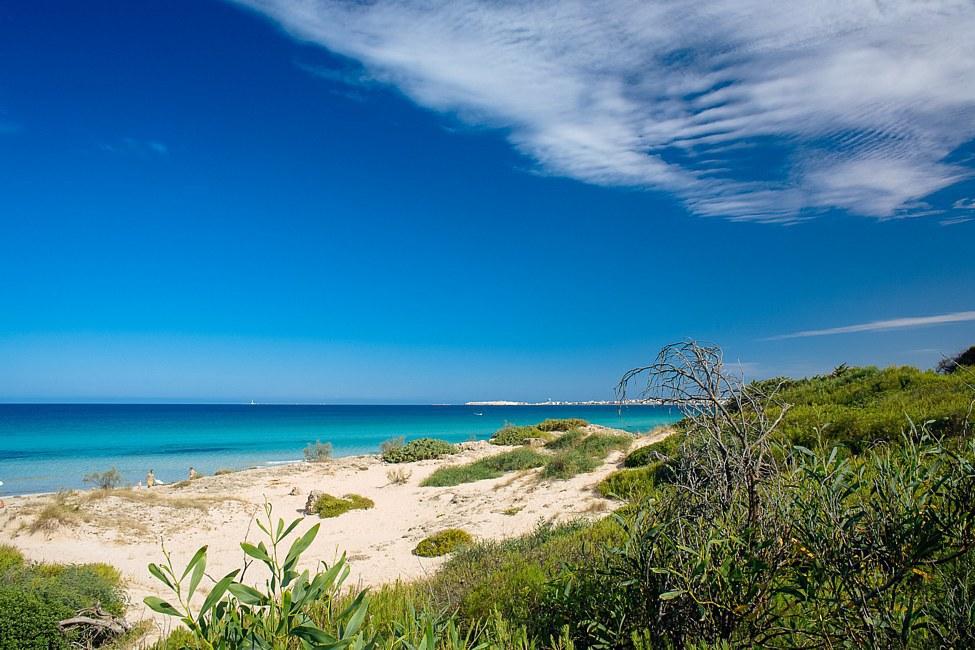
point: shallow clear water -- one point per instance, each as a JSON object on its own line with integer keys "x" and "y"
{"x": 47, "y": 447}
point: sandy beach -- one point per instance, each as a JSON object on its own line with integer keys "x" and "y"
{"x": 127, "y": 528}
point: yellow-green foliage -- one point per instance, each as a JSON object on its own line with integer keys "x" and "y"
{"x": 442, "y": 543}
{"x": 419, "y": 449}
{"x": 563, "y": 424}
{"x": 327, "y": 506}
{"x": 664, "y": 449}
{"x": 485, "y": 468}
{"x": 858, "y": 406}
{"x": 35, "y": 596}
{"x": 633, "y": 483}
{"x": 513, "y": 435}
{"x": 514, "y": 575}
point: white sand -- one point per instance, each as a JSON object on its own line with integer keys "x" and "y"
{"x": 128, "y": 533}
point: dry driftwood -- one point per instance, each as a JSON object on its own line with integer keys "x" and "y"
{"x": 95, "y": 625}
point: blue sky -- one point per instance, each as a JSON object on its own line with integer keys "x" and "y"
{"x": 406, "y": 202}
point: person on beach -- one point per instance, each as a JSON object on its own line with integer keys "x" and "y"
{"x": 150, "y": 479}
{"x": 193, "y": 473}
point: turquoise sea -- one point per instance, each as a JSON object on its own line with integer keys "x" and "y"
{"x": 48, "y": 447}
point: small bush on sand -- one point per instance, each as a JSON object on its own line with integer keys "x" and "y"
{"x": 107, "y": 480}
{"x": 223, "y": 471}
{"x": 391, "y": 444}
{"x": 399, "y": 476}
{"x": 512, "y": 435}
{"x": 485, "y": 468}
{"x": 318, "y": 452}
{"x": 564, "y": 424}
{"x": 327, "y": 506}
{"x": 419, "y": 449}
{"x": 61, "y": 510}
{"x": 442, "y": 543}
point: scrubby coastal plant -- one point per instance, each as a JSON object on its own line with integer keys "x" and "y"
{"x": 563, "y": 424}
{"x": 236, "y": 615}
{"x": 107, "y": 480}
{"x": 511, "y": 435}
{"x": 327, "y": 506}
{"x": 35, "y": 597}
{"x": 577, "y": 452}
{"x": 419, "y": 449}
{"x": 485, "y": 468}
{"x": 318, "y": 452}
{"x": 443, "y": 542}
{"x": 398, "y": 476}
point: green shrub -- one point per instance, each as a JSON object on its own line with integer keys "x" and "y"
{"x": 857, "y": 407}
{"x": 512, "y": 435}
{"x": 10, "y": 558}
{"x": 632, "y": 483}
{"x": 107, "y": 480}
{"x": 578, "y": 453}
{"x": 514, "y": 575}
{"x": 318, "y": 452}
{"x": 664, "y": 449}
{"x": 419, "y": 449}
{"x": 442, "y": 543}
{"x": 485, "y": 468}
{"x": 563, "y": 424}
{"x": 35, "y": 596}
{"x": 570, "y": 438}
{"x": 326, "y": 506}
{"x": 28, "y": 623}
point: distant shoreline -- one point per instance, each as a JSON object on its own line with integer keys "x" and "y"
{"x": 628, "y": 402}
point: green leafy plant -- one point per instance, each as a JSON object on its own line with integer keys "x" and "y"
{"x": 443, "y": 542}
{"x": 236, "y": 615}
{"x": 419, "y": 449}
{"x": 511, "y": 435}
{"x": 327, "y": 506}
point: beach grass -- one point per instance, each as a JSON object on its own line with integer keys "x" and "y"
{"x": 485, "y": 468}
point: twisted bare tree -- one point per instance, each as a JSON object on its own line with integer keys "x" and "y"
{"x": 730, "y": 422}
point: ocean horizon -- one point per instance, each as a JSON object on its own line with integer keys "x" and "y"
{"x": 49, "y": 447}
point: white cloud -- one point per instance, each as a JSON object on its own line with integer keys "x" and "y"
{"x": 883, "y": 325}
{"x": 137, "y": 147}
{"x": 863, "y": 100}
{"x": 964, "y": 204}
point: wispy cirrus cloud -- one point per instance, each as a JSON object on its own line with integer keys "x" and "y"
{"x": 746, "y": 109}
{"x": 883, "y": 325}
{"x": 136, "y": 147}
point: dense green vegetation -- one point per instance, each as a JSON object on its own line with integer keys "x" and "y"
{"x": 397, "y": 451}
{"x": 443, "y": 542}
{"x": 35, "y": 596}
{"x": 327, "y": 506}
{"x": 562, "y": 424}
{"x": 856, "y": 407}
{"x": 512, "y": 435}
{"x": 485, "y": 468}
{"x": 577, "y": 452}
{"x": 849, "y": 522}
